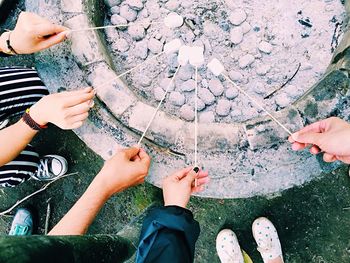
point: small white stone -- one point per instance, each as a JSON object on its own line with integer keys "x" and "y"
{"x": 167, "y": 84}
{"x": 207, "y": 117}
{"x": 141, "y": 49}
{"x": 196, "y": 56}
{"x": 262, "y": 70}
{"x": 265, "y": 47}
{"x": 115, "y": 10}
{"x": 118, "y": 20}
{"x": 246, "y": 27}
{"x": 177, "y": 99}
{"x": 206, "y": 96}
{"x": 188, "y": 85}
{"x": 184, "y": 55}
{"x": 235, "y": 75}
{"x": 283, "y": 100}
{"x": 172, "y": 5}
{"x": 137, "y": 32}
{"x": 173, "y": 20}
{"x": 185, "y": 72}
{"x": 216, "y": 67}
{"x": 172, "y": 46}
{"x": 135, "y": 4}
{"x": 237, "y": 17}
{"x": 245, "y": 61}
{"x": 128, "y": 13}
{"x": 216, "y": 87}
{"x": 155, "y": 46}
{"x": 236, "y": 35}
{"x": 236, "y": 113}
{"x": 187, "y": 113}
{"x": 146, "y": 81}
{"x": 158, "y": 93}
{"x": 200, "y": 105}
{"x": 121, "y": 45}
{"x": 223, "y": 108}
{"x": 231, "y": 93}
{"x": 111, "y": 3}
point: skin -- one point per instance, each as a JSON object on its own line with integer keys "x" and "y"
{"x": 127, "y": 168}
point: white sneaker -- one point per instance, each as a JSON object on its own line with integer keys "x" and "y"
{"x": 228, "y": 248}
{"x": 51, "y": 167}
{"x": 265, "y": 235}
{"x": 4, "y": 123}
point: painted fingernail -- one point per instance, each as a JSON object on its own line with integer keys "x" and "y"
{"x": 196, "y": 169}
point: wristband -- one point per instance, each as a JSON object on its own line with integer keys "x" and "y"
{"x": 32, "y": 123}
{"x": 9, "y": 47}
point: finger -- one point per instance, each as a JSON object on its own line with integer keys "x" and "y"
{"x": 182, "y": 173}
{"x": 308, "y": 137}
{"x": 298, "y": 146}
{"x": 77, "y": 118}
{"x": 344, "y": 159}
{"x": 198, "y": 189}
{"x": 191, "y": 176}
{"x": 75, "y": 125}
{"x": 202, "y": 181}
{"x": 315, "y": 150}
{"x": 52, "y": 40}
{"x": 144, "y": 157}
{"x": 47, "y": 29}
{"x": 131, "y": 152}
{"x": 79, "y": 109}
{"x": 329, "y": 158}
{"x": 75, "y": 99}
{"x": 314, "y": 127}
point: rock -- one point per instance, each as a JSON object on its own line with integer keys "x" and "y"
{"x": 216, "y": 87}
{"x": 115, "y": 10}
{"x": 245, "y": 61}
{"x": 185, "y": 72}
{"x": 128, "y": 13}
{"x": 246, "y": 27}
{"x": 155, "y": 46}
{"x": 231, "y": 93}
{"x": 236, "y": 113}
{"x": 135, "y": 4}
{"x": 259, "y": 88}
{"x": 207, "y": 117}
{"x": 111, "y": 3}
{"x": 206, "y": 96}
{"x": 172, "y": 5}
{"x": 164, "y": 84}
{"x": 237, "y": 17}
{"x": 137, "y": 32}
{"x": 262, "y": 70}
{"x": 158, "y": 93}
{"x": 187, "y": 113}
{"x": 200, "y": 105}
{"x": 112, "y": 34}
{"x": 145, "y": 81}
{"x": 176, "y": 98}
{"x": 293, "y": 91}
{"x": 223, "y": 108}
{"x": 265, "y": 47}
{"x": 121, "y": 45}
{"x": 188, "y": 85}
{"x": 235, "y": 75}
{"x": 141, "y": 49}
{"x": 118, "y": 20}
{"x": 236, "y": 35}
{"x": 283, "y": 100}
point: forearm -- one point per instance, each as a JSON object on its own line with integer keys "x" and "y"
{"x": 13, "y": 140}
{"x": 83, "y": 213}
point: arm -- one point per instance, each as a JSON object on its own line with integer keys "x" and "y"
{"x": 67, "y": 110}
{"x": 127, "y": 168}
{"x": 330, "y": 136}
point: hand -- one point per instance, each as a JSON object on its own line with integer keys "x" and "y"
{"x": 34, "y": 33}
{"x": 126, "y": 168}
{"x": 331, "y": 136}
{"x": 177, "y": 188}
{"x": 67, "y": 110}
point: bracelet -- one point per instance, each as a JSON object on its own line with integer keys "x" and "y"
{"x": 32, "y": 123}
{"x": 10, "y": 48}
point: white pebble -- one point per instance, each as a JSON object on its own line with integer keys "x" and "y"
{"x": 155, "y": 46}
{"x": 188, "y": 85}
{"x": 235, "y": 75}
{"x": 216, "y": 67}
{"x": 135, "y": 4}
{"x": 118, "y": 20}
{"x": 246, "y": 27}
{"x": 121, "y": 45}
{"x": 283, "y": 100}
{"x": 158, "y": 93}
{"x": 236, "y": 35}
{"x": 265, "y": 47}
{"x": 223, "y": 108}
{"x": 172, "y": 5}
{"x": 207, "y": 117}
{"x": 176, "y": 98}
{"x": 172, "y": 46}
{"x": 237, "y": 17}
{"x": 141, "y": 49}
{"x": 128, "y": 13}
{"x": 245, "y": 61}
{"x": 137, "y": 32}
{"x": 173, "y": 20}
{"x": 262, "y": 70}
{"x": 185, "y": 72}
{"x": 167, "y": 84}
{"x": 111, "y": 3}
{"x": 200, "y": 105}
{"x": 231, "y": 93}
{"x": 196, "y": 56}
{"x": 216, "y": 87}
{"x": 206, "y": 96}
{"x": 187, "y": 113}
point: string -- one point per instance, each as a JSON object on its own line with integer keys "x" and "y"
{"x": 259, "y": 105}
{"x": 196, "y": 124}
{"x": 159, "y": 105}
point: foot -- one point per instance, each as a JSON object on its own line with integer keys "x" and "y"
{"x": 228, "y": 248}
{"x": 265, "y": 235}
{"x": 22, "y": 224}
{"x": 51, "y": 167}
{"x": 4, "y": 123}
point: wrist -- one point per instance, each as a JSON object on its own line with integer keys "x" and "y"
{"x": 37, "y": 115}
{"x": 103, "y": 186}
{"x": 3, "y": 45}
{"x": 6, "y": 44}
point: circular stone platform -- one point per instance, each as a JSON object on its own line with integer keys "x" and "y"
{"x": 244, "y": 159}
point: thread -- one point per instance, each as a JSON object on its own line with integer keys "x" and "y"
{"x": 111, "y": 26}
{"x": 196, "y": 124}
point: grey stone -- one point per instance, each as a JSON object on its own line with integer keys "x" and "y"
{"x": 188, "y": 85}
{"x": 282, "y": 100}
{"x": 236, "y": 35}
{"x": 121, "y": 45}
{"x": 246, "y": 27}
{"x": 164, "y": 84}
{"x": 172, "y": 62}
{"x": 200, "y": 105}
{"x": 185, "y": 72}
{"x": 265, "y": 47}
{"x": 137, "y": 32}
{"x": 111, "y": 3}
{"x": 235, "y": 75}
{"x": 172, "y": 5}
{"x": 145, "y": 81}
{"x": 206, "y": 96}
{"x": 262, "y": 70}
{"x": 158, "y": 93}
{"x": 237, "y": 17}
{"x": 176, "y": 98}
{"x": 155, "y": 46}
{"x": 207, "y": 117}
{"x": 115, "y": 10}
{"x": 216, "y": 87}
{"x": 231, "y": 93}
{"x": 246, "y": 61}
{"x": 223, "y": 108}
{"x": 135, "y": 4}
{"x": 141, "y": 49}
{"x": 118, "y": 20}
{"x": 128, "y": 13}
{"x": 236, "y": 113}
{"x": 187, "y": 112}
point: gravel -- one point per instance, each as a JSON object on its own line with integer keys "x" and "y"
{"x": 216, "y": 87}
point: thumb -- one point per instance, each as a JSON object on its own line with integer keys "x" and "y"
{"x": 192, "y": 175}
{"x": 131, "y": 152}
{"x": 53, "y": 40}
{"x": 307, "y": 137}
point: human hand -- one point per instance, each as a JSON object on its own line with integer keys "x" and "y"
{"x": 331, "y": 136}
{"x": 177, "y": 188}
{"x": 34, "y": 33}
{"x": 67, "y": 110}
{"x": 126, "y": 168}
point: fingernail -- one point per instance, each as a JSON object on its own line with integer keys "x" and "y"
{"x": 196, "y": 169}
{"x": 91, "y": 103}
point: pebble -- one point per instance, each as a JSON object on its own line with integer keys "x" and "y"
{"x": 262, "y": 70}
{"x": 145, "y": 81}
{"x": 235, "y": 75}
{"x": 164, "y": 83}
{"x": 283, "y": 100}
{"x": 155, "y": 46}
{"x": 115, "y": 9}
{"x": 223, "y": 108}
{"x": 188, "y": 85}
{"x": 172, "y": 5}
{"x": 128, "y": 13}
{"x": 137, "y": 32}
{"x": 177, "y": 99}
{"x": 135, "y": 4}
{"x": 200, "y": 105}
{"x": 206, "y": 96}
{"x": 207, "y": 117}
{"x": 237, "y": 17}
{"x": 236, "y": 113}
{"x": 236, "y": 35}
{"x": 216, "y": 87}
{"x": 158, "y": 93}
{"x": 111, "y": 3}
{"x": 118, "y": 20}
{"x": 246, "y": 27}
{"x": 121, "y": 45}
{"x": 141, "y": 49}
{"x": 187, "y": 113}
{"x": 265, "y": 47}
{"x": 245, "y": 61}
{"x": 231, "y": 93}
{"x": 172, "y": 62}
{"x": 185, "y": 72}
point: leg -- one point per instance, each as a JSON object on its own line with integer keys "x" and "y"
{"x": 20, "y": 88}
{"x": 20, "y": 169}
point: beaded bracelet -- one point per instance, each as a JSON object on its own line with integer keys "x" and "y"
{"x": 32, "y": 123}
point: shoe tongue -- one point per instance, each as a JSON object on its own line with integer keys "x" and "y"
{"x": 55, "y": 166}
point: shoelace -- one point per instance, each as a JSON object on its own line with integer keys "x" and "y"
{"x": 20, "y": 230}
{"x": 43, "y": 169}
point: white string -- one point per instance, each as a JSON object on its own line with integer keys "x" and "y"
{"x": 159, "y": 105}
{"x": 196, "y": 124}
{"x": 112, "y": 26}
{"x": 259, "y": 105}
